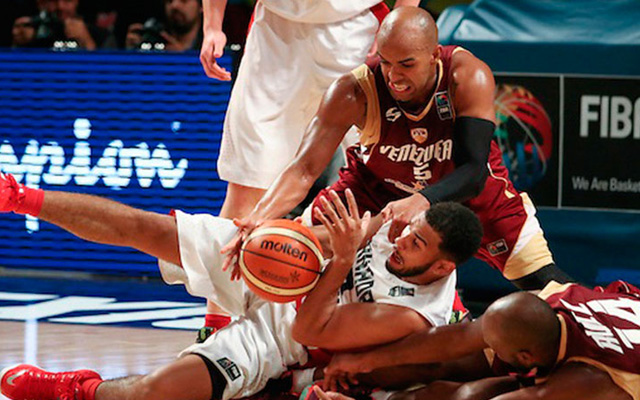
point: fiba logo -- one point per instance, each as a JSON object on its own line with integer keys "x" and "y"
{"x": 523, "y": 133}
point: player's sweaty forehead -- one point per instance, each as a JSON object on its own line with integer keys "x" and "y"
{"x": 409, "y": 27}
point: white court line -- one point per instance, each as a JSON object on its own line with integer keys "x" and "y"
{"x": 26, "y": 296}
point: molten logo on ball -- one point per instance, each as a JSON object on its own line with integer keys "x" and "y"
{"x": 285, "y": 248}
{"x": 281, "y": 260}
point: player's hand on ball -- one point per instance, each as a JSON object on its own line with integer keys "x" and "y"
{"x": 401, "y": 212}
{"x": 232, "y": 249}
{"x": 343, "y": 223}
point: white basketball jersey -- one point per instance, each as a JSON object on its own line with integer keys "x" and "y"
{"x": 370, "y": 281}
{"x": 318, "y": 11}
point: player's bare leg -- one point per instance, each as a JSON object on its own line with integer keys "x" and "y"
{"x": 94, "y": 218}
{"x": 105, "y": 221}
{"x": 185, "y": 379}
{"x": 238, "y": 203}
{"x": 188, "y": 378}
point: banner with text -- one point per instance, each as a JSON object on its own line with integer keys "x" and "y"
{"x": 140, "y": 128}
{"x": 601, "y": 165}
{"x": 571, "y": 141}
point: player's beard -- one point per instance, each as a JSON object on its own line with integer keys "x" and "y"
{"x": 408, "y": 273}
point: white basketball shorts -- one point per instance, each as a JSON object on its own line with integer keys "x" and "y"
{"x": 286, "y": 68}
{"x": 257, "y": 345}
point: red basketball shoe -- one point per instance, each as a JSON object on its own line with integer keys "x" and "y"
{"x": 27, "y": 382}
{"x": 9, "y": 192}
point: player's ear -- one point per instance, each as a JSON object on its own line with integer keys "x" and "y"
{"x": 444, "y": 267}
{"x": 525, "y": 357}
{"x": 435, "y": 56}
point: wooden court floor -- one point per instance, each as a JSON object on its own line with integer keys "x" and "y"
{"x": 112, "y": 351}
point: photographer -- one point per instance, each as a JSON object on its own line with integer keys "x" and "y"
{"x": 181, "y": 31}
{"x": 59, "y": 25}
{"x": 23, "y": 32}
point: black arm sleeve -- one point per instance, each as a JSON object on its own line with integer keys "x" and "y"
{"x": 471, "y": 146}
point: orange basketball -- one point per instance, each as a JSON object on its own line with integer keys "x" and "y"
{"x": 281, "y": 260}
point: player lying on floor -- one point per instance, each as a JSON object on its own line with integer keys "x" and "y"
{"x": 391, "y": 291}
{"x": 569, "y": 342}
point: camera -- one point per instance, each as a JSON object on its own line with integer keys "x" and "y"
{"x": 48, "y": 30}
{"x": 151, "y": 37}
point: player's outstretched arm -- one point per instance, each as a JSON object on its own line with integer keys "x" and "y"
{"x": 94, "y": 218}
{"x": 342, "y": 106}
{"x": 432, "y": 345}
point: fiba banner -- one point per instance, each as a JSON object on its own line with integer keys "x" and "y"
{"x": 571, "y": 141}
{"x": 142, "y": 129}
{"x": 601, "y": 164}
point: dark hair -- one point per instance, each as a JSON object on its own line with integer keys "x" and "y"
{"x": 458, "y": 227}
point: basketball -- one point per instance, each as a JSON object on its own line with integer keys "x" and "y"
{"x": 281, "y": 260}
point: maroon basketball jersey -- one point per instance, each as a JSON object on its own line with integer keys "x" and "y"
{"x": 415, "y": 151}
{"x": 598, "y": 327}
{"x": 399, "y": 154}
{"x": 601, "y": 326}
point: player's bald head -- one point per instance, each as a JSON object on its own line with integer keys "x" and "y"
{"x": 411, "y": 24}
{"x": 521, "y": 321}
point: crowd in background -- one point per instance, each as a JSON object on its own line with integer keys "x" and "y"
{"x": 173, "y": 25}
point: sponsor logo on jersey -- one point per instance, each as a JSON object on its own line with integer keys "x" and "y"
{"x": 360, "y": 280}
{"x": 393, "y": 114}
{"x": 230, "y": 368}
{"x": 419, "y": 134}
{"x": 443, "y": 106}
{"x": 497, "y": 247}
{"x": 400, "y": 291}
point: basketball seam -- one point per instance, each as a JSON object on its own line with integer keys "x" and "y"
{"x": 270, "y": 288}
{"x": 281, "y": 261}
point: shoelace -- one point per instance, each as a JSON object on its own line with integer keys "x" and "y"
{"x": 39, "y": 385}
{"x": 49, "y": 385}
